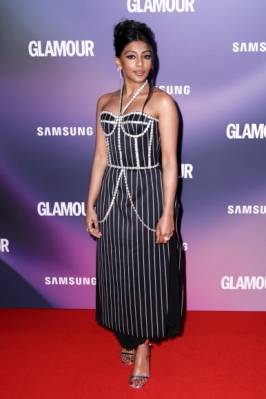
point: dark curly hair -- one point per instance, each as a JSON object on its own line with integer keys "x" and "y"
{"x": 128, "y": 31}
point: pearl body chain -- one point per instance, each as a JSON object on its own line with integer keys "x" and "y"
{"x": 123, "y": 173}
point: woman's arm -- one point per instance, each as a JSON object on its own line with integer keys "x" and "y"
{"x": 97, "y": 171}
{"x": 168, "y": 127}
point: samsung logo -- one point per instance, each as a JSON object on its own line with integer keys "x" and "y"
{"x": 70, "y": 281}
{"x": 246, "y": 209}
{"x": 176, "y": 90}
{"x": 251, "y": 47}
{"x": 64, "y": 131}
{"x": 185, "y": 246}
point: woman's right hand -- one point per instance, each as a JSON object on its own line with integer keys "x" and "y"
{"x": 91, "y": 223}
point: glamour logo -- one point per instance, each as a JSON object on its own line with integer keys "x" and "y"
{"x": 64, "y": 131}
{"x": 251, "y": 47}
{"x": 186, "y": 171}
{"x": 70, "y": 280}
{"x": 4, "y": 245}
{"x": 250, "y": 131}
{"x": 246, "y": 209}
{"x": 243, "y": 283}
{"x": 61, "y": 209}
{"x": 80, "y": 48}
{"x": 176, "y": 90}
{"x": 160, "y": 5}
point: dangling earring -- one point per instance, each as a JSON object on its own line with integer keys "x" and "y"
{"x": 119, "y": 70}
{"x": 120, "y": 75}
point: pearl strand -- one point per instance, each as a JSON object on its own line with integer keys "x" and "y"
{"x": 123, "y": 172}
{"x": 119, "y": 142}
{"x": 132, "y": 203}
{"x": 132, "y": 99}
{"x": 135, "y": 135}
{"x": 134, "y": 167}
{"x": 108, "y": 149}
{"x": 150, "y": 144}
{"x": 136, "y": 152}
{"x": 113, "y": 197}
{"x": 126, "y": 115}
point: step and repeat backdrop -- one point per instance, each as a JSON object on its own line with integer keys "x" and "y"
{"x": 57, "y": 59}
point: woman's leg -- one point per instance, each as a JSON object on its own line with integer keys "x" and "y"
{"x": 141, "y": 370}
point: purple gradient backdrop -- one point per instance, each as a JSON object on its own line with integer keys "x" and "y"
{"x": 194, "y": 49}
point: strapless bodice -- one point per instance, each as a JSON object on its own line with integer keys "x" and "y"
{"x": 132, "y": 139}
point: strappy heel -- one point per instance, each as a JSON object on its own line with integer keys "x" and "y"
{"x": 130, "y": 357}
{"x": 144, "y": 378}
{"x": 132, "y": 385}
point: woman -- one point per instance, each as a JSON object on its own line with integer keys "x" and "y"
{"x": 132, "y": 206}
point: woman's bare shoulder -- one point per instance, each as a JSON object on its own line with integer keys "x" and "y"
{"x": 161, "y": 103}
{"x": 107, "y": 100}
{"x": 161, "y": 97}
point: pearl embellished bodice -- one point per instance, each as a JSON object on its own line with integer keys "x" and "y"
{"x": 132, "y": 140}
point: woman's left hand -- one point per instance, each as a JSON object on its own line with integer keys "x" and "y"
{"x": 165, "y": 229}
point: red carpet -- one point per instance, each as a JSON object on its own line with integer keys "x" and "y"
{"x": 65, "y": 354}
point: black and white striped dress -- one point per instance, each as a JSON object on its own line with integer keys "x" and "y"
{"x": 139, "y": 283}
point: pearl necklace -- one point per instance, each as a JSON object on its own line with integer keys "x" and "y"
{"x": 132, "y": 99}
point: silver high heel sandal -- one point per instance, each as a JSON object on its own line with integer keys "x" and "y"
{"x": 129, "y": 355}
{"x": 145, "y": 378}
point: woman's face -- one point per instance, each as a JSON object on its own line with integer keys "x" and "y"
{"x": 135, "y": 61}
